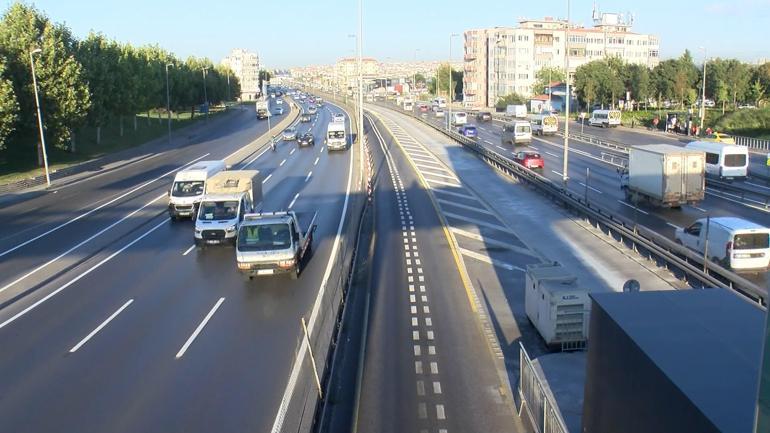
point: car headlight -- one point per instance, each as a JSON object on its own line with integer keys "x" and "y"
{"x": 198, "y": 231}
{"x": 286, "y": 263}
{"x": 244, "y": 265}
{"x": 231, "y": 228}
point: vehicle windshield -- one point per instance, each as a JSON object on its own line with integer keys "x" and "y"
{"x": 190, "y": 188}
{"x": 264, "y": 237}
{"x": 290, "y": 130}
{"x": 751, "y": 241}
{"x": 735, "y": 160}
{"x": 336, "y": 134}
{"x": 218, "y": 210}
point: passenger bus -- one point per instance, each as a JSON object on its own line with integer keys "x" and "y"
{"x": 723, "y": 160}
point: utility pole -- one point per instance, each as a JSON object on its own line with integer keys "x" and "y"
{"x": 205, "y": 95}
{"x": 567, "y": 97}
{"x": 168, "y": 103}
{"x": 451, "y": 93}
{"x": 39, "y": 117}
{"x": 360, "y": 73}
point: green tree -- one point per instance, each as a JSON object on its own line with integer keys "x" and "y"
{"x": 544, "y": 76}
{"x": 599, "y": 81}
{"x": 639, "y": 82}
{"x": 99, "y": 57}
{"x": 756, "y": 92}
{"x": 9, "y": 107}
{"x": 63, "y": 89}
{"x": 419, "y": 79}
{"x": 264, "y": 75}
{"x": 721, "y": 94}
{"x": 510, "y": 99}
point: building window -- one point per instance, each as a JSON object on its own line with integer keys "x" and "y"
{"x": 653, "y": 53}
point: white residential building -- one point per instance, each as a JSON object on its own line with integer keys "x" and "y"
{"x": 245, "y": 66}
{"x": 503, "y": 60}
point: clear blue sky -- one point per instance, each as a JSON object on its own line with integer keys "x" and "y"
{"x": 299, "y": 32}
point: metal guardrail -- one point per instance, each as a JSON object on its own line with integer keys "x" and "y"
{"x": 752, "y": 143}
{"x": 645, "y": 241}
{"x": 542, "y": 412}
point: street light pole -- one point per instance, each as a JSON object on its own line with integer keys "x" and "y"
{"x": 451, "y": 93}
{"x": 205, "y": 94}
{"x": 168, "y": 102}
{"x": 567, "y": 97}
{"x": 703, "y": 93}
{"x": 360, "y": 73}
{"x": 39, "y": 117}
{"x": 414, "y": 75}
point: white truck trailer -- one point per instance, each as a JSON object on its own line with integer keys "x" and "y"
{"x": 274, "y": 243}
{"x": 230, "y": 195}
{"x": 664, "y": 175}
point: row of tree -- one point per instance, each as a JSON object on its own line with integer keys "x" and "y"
{"x": 439, "y": 85}
{"x": 678, "y": 81}
{"x": 90, "y": 81}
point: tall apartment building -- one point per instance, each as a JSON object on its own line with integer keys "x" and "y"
{"x": 346, "y": 70}
{"x": 245, "y": 66}
{"x": 503, "y": 60}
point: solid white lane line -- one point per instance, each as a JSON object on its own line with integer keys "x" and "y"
{"x": 199, "y": 328}
{"x": 557, "y": 173}
{"x": 533, "y": 147}
{"x": 632, "y": 207}
{"x": 99, "y": 328}
{"x": 552, "y": 154}
{"x": 28, "y": 241}
{"x": 487, "y": 259}
{"x": 292, "y": 151}
{"x": 90, "y": 238}
{"x": 477, "y": 222}
{"x": 254, "y": 159}
{"x": 308, "y": 176}
{"x": 441, "y": 182}
{"x": 76, "y": 279}
{"x": 455, "y": 194}
{"x": 282, "y": 163}
{"x": 294, "y": 200}
{"x": 757, "y": 185}
{"x": 446, "y": 176}
{"x": 267, "y": 178}
{"x": 316, "y": 160}
{"x": 188, "y": 250}
{"x": 499, "y": 147}
{"x": 590, "y": 187}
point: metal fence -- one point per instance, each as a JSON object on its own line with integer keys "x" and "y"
{"x": 543, "y": 413}
{"x": 299, "y": 406}
{"x": 753, "y": 143}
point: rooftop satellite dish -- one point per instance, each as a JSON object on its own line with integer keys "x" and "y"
{"x": 631, "y": 286}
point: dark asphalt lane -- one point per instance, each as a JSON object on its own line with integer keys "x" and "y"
{"x": 426, "y": 366}
{"x": 127, "y": 377}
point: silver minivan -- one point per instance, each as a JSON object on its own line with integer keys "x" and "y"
{"x": 516, "y": 132}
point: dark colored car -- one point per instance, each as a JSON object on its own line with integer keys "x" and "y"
{"x": 305, "y": 118}
{"x": 484, "y": 116}
{"x": 306, "y": 139}
{"x": 530, "y": 159}
{"x": 468, "y": 131}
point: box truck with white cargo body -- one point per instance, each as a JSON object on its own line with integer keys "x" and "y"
{"x": 664, "y": 175}
{"x": 557, "y": 306}
{"x": 229, "y": 196}
{"x": 336, "y": 139}
{"x": 518, "y": 111}
{"x": 263, "y": 109}
{"x": 274, "y": 243}
{"x": 188, "y": 187}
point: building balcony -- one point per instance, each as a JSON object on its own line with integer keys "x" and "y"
{"x": 470, "y": 57}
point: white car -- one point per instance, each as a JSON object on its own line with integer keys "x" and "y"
{"x": 279, "y": 110}
{"x": 290, "y": 133}
{"x": 279, "y": 101}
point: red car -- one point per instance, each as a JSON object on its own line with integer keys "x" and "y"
{"x": 530, "y": 159}
{"x": 423, "y": 108}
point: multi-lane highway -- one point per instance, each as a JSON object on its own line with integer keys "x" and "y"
{"x": 591, "y": 175}
{"x": 112, "y": 321}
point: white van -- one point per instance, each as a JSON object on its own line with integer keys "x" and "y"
{"x": 438, "y": 103}
{"x": 732, "y": 242}
{"x": 408, "y": 105}
{"x": 516, "y": 132}
{"x": 544, "y": 124}
{"x": 188, "y": 187}
{"x": 335, "y": 136}
{"x": 723, "y": 160}
{"x": 459, "y": 118}
{"x": 605, "y": 118}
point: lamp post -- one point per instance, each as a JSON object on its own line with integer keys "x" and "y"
{"x": 414, "y": 75}
{"x": 205, "y": 94}
{"x": 39, "y": 116}
{"x": 168, "y": 102}
{"x": 567, "y": 97}
{"x": 360, "y": 72}
{"x": 451, "y": 93}
{"x": 703, "y": 92}
{"x": 347, "y": 79}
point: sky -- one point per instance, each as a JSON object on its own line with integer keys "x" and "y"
{"x": 291, "y": 33}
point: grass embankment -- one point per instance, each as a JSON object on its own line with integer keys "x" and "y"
{"x": 746, "y": 122}
{"x": 14, "y": 168}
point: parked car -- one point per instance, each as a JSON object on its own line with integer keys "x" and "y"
{"x": 468, "y": 130}
{"x": 746, "y": 106}
{"x": 530, "y": 159}
{"x": 483, "y": 116}
{"x": 290, "y": 133}
{"x": 306, "y": 139}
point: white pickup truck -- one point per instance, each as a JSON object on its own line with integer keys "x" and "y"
{"x": 274, "y": 243}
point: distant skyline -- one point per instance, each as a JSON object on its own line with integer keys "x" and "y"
{"x": 302, "y": 32}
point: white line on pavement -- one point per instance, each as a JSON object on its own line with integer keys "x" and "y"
{"x": 462, "y": 206}
{"x": 187, "y": 251}
{"x": 757, "y": 185}
{"x": 76, "y": 279}
{"x": 254, "y": 159}
{"x": 557, "y": 173}
{"x": 267, "y": 178}
{"x": 700, "y": 209}
{"x": 673, "y": 225}
{"x": 477, "y": 222}
{"x": 90, "y": 238}
{"x": 632, "y": 207}
{"x": 99, "y": 207}
{"x": 552, "y": 154}
{"x": 590, "y": 187}
{"x": 282, "y": 163}
{"x": 316, "y": 160}
{"x": 487, "y": 259}
{"x": 199, "y": 329}
{"x": 99, "y": 328}
{"x": 291, "y": 205}
{"x": 292, "y": 151}
{"x": 308, "y": 176}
